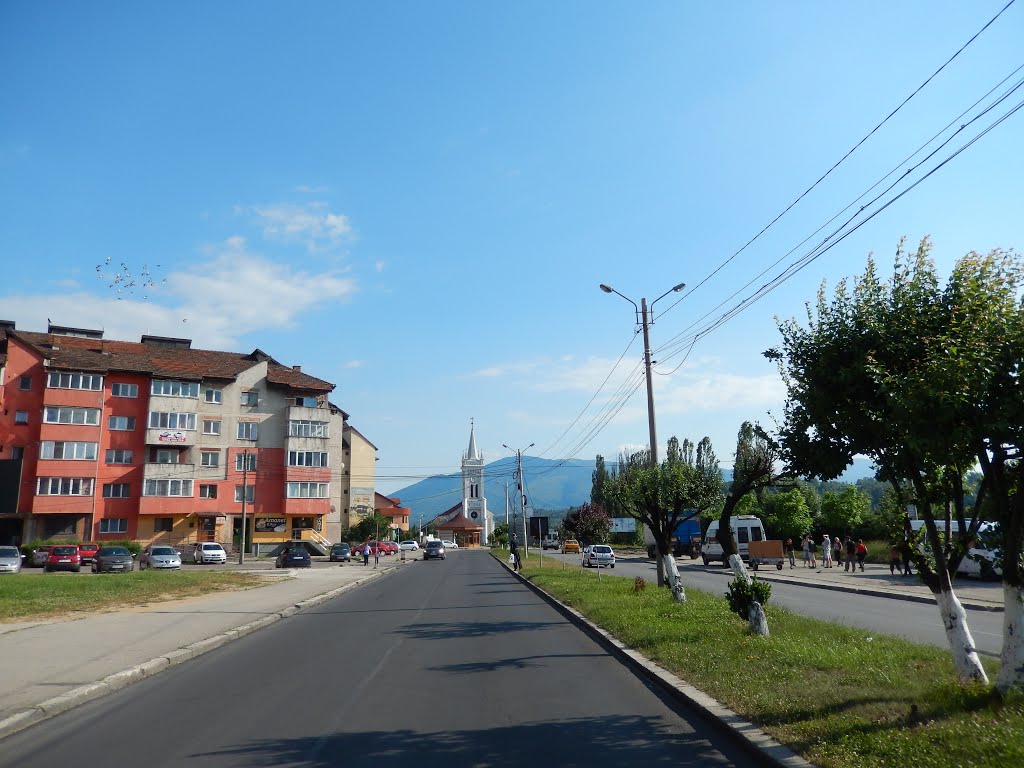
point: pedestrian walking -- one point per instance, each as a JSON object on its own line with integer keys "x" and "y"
{"x": 851, "y": 552}
{"x": 895, "y": 559}
{"x": 806, "y": 551}
{"x": 837, "y": 551}
{"x": 789, "y": 552}
{"x": 812, "y": 548}
{"x": 862, "y": 553}
{"x": 513, "y": 545}
{"x": 826, "y": 551}
{"x": 905, "y": 554}
{"x": 366, "y": 553}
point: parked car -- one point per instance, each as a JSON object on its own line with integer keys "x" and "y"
{"x": 550, "y": 541}
{"x": 388, "y": 547}
{"x": 88, "y": 551}
{"x": 160, "y": 556}
{"x": 409, "y": 546}
{"x": 341, "y": 553}
{"x": 10, "y": 560}
{"x": 63, "y": 558}
{"x": 294, "y": 556}
{"x": 434, "y": 550}
{"x": 570, "y": 545}
{"x": 40, "y": 556}
{"x": 113, "y": 559}
{"x": 598, "y": 556}
{"x": 449, "y": 544}
{"x": 209, "y": 552}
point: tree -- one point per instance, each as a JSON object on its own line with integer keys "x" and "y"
{"x": 661, "y": 497}
{"x": 371, "y": 527}
{"x": 787, "y": 515}
{"x": 842, "y": 512}
{"x": 925, "y": 381}
{"x": 499, "y": 536}
{"x": 599, "y": 482}
{"x": 589, "y": 523}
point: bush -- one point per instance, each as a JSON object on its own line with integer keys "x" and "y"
{"x": 741, "y": 594}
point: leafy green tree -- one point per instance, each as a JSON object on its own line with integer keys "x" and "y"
{"x": 499, "y": 536}
{"x": 924, "y": 380}
{"x": 372, "y": 526}
{"x": 842, "y": 512}
{"x": 599, "y": 482}
{"x": 788, "y": 515}
{"x": 588, "y": 523}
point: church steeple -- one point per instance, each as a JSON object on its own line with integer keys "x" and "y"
{"x": 471, "y": 452}
{"x": 474, "y": 504}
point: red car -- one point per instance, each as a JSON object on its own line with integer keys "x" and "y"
{"x": 388, "y": 547}
{"x": 63, "y": 558}
{"x": 88, "y": 552}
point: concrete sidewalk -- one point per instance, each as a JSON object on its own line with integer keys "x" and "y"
{"x": 52, "y": 666}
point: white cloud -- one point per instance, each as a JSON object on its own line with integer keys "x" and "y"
{"x": 213, "y": 303}
{"x": 313, "y": 223}
{"x": 355, "y": 364}
{"x": 378, "y": 265}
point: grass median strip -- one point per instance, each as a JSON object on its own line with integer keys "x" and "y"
{"x": 841, "y": 697}
{"x": 33, "y": 596}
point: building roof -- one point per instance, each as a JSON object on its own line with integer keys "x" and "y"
{"x": 460, "y": 523}
{"x": 80, "y": 353}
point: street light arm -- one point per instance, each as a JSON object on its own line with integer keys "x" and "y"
{"x": 609, "y": 289}
{"x": 676, "y": 289}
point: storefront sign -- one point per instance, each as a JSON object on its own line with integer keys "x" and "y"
{"x": 271, "y": 525}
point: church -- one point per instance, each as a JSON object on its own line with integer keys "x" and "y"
{"x": 469, "y": 523}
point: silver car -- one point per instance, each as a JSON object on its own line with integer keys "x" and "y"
{"x": 159, "y": 556}
{"x": 598, "y": 556}
{"x": 10, "y": 560}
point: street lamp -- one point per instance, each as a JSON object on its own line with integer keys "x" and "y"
{"x": 642, "y": 318}
{"x": 522, "y": 496}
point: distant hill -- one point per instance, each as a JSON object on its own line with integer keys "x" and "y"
{"x": 551, "y": 485}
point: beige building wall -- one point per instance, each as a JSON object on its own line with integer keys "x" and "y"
{"x": 358, "y": 486}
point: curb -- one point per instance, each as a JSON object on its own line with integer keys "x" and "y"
{"x": 139, "y": 672}
{"x": 746, "y": 733}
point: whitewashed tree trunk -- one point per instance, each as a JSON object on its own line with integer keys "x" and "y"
{"x": 1011, "y": 671}
{"x": 756, "y": 616}
{"x": 961, "y": 643}
{"x": 668, "y": 564}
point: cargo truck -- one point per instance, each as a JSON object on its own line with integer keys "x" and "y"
{"x": 686, "y": 539}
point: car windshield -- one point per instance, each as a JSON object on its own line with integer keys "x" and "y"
{"x": 434, "y": 545}
{"x": 164, "y": 551}
{"x": 9, "y": 552}
{"x": 64, "y": 551}
{"x": 108, "y": 551}
{"x": 602, "y": 549}
{"x": 212, "y": 546}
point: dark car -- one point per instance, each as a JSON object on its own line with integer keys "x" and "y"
{"x": 295, "y": 556}
{"x": 63, "y": 558}
{"x": 433, "y": 550}
{"x": 88, "y": 551}
{"x": 341, "y": 553}
{"x": 113, "y": 560}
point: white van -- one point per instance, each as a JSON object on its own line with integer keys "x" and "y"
{"x": 550, "y": 541}
{"x": 745, "y": 529}
{"x": 979, "y": 561}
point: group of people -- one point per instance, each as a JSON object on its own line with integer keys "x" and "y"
{"x": 856, "y": 552}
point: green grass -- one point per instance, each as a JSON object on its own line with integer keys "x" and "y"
{"x": 31, "y": 596}
{"x": 841, "y": 697}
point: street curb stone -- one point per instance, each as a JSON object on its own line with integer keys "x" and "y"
{"x": 745, "y": 732}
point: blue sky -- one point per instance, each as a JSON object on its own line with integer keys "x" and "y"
{"x": 418, "y": 201}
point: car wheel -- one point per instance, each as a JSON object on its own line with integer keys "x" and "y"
{"x": 613, "y": 565}
{"x": 78, "y": 569}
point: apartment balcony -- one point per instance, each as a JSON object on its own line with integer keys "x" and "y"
{"x": 169, "y": 472}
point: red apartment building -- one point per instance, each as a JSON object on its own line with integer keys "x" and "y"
{"x": 153, "y": 440}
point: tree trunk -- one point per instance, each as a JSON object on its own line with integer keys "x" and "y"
{"x": 1011, "y": 671}
{"x": 738, "y": 568}
{"x": 668, "y": 564}
{"x": 961, "y": 643}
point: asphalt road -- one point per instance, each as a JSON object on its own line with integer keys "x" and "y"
{"x": 445, "y": 663}
{"x": 919, "y": 622}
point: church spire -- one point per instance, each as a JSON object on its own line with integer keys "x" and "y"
{"x": 472, "y": 453}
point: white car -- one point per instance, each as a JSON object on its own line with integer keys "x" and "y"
{"x": 449, "y": 544}
{"x": 159, "y": 556}
{"x": 209, "y": 552}
{"x": 10, "y": 559}
{"x": 409, "y": 546}
{"x": 598, "y": 556}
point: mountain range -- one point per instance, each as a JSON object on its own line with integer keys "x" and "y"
{"x": 550, "y": 486}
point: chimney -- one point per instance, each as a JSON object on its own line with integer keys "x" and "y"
{"x": 297, "y": 368}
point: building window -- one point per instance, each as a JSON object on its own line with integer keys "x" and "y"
{"x": 308, "y": 490}
{"x": 247, "y": 430}
{"x": 165, "y": 456}
{"x": 299, "y": 428}
{"x": 307, "y": 459}
{"x": 214, "y": 395}
{"x": 307, "y": 402}
{"x": 68, "y": 415}
{"x": 172, "y": 420}
{"x": 168, "y": 488}
{"x": 58, "y": 380}
{"x": 209, "y": 458}
{"x": 250, "y": 398}
{"x": 207, "y": 491}
{"x": 116, "y": 490}
{"x": 211, "y": 426}
{"x": 175, "y": 388}
{"x": 17, "y": 452}
{"x": 245, "y": 462}
{"x": 124, "y": 390}
{"x": 64, "y": 486}
{"x": 56, "y": 449}
{"x": 25, "y": 383}
{"x": 118, "y": 456}
{"x": 248, "y": 490}
{"x": 114, "y": 525}
{"x": 163, "y": 524}
{"x": 21, "y": 417}
{"x": 121, "y": 423}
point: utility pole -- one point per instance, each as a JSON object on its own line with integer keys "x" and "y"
{"x": 245, "y": 492}
{"x": 522, "y": 496}
{"x": 650, "y": 386}
{"x": 506, "y": 505}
